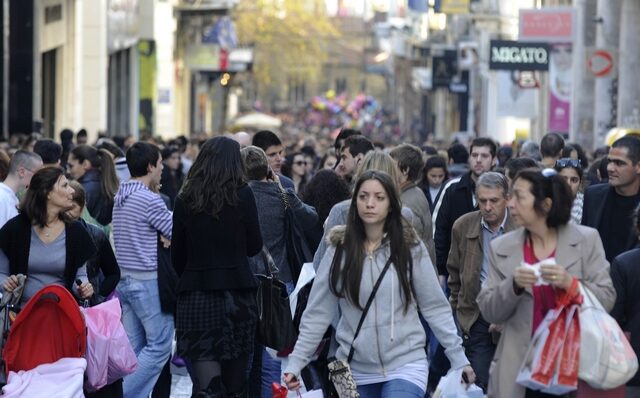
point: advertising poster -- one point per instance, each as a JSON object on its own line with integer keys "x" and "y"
{"x": 560, "y": 61}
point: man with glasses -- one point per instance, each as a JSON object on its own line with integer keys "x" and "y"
{"x": 609, "y": 207}
{"x": 22, "y": 167}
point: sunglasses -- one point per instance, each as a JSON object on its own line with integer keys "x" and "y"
{"x": 568, "y": 162}
{"x": 300, "y": 163}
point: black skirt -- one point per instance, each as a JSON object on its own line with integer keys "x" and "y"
{"x": 216, "y": 325}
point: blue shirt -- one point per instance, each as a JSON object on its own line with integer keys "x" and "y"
{"x": 487, "y": 236}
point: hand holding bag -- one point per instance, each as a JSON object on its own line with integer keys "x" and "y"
{"x": 450, "y": 387}
{"x": 607, "y": 359}
{"x": 275, "y": 325}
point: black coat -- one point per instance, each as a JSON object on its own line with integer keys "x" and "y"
{"x": 102, "y": 268}
{"x": 99, "y": 206}
{"x": 595, "y": 201}
{"x": 456, "y": 202}
{"x": 210, "y": 253}
{"x": 625, "y": 273}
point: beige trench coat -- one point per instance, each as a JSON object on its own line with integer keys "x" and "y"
{"x": 579, "y": 250}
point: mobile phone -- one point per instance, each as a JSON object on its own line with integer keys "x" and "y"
{"x": 269, "y": 173}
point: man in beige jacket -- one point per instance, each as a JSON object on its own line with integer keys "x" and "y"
{"x": 468, "y": 265}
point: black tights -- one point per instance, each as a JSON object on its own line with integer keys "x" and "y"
{"x": 233, "y": 373}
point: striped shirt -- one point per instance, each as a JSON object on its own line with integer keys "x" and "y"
{"x": 138, "y": 216}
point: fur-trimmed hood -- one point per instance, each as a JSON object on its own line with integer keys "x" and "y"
{"x": 336, "y": 235}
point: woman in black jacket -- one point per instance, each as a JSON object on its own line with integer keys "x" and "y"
{"x": 215, "y": 228}
{"x": 43, "y": 243}
{"x": 95, "y": 170}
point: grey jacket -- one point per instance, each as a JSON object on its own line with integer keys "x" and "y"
{"x": 414, "y": 198}
{"x": 389, "y": 338}
{"x": 338, "y": 216}
{"x": 272, "y": 217}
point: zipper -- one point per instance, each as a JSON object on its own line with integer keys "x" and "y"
{"x": 375, "y": 307}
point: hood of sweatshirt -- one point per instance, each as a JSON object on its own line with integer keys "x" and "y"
{"x": 127, "y": 189}
{"x": 336, "y": 235}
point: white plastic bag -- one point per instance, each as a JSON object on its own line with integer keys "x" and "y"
{"x": 451, "y": 386}
{"x": 312, "y": 394}
{"x": 607, "y": 359}
{"x": 307, "y": 274}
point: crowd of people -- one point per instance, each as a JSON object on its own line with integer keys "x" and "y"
{"x": 422, "y": 255}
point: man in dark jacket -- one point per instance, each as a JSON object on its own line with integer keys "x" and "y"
{"x": 626, "y": 280}
{"x": 608, "y": 207}
{"x": 458, "y": 198}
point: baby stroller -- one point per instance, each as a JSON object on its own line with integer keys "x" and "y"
{"x": 49, "y": 327}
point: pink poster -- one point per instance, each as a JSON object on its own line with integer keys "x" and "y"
{"x": 560, "y": 61}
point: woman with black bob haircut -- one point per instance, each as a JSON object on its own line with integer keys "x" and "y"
{"x": 95, "y": 170}
{"x": 42, "y": 242}
{"x": 387, "y": 357}
{"x": 215, "y": 229}
{"x": 513, "y": 295}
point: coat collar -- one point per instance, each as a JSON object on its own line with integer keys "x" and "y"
{"x": 474, "y": 230}
{"x": 567, "y": 255}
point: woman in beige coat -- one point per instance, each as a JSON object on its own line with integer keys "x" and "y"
{"x": 541, "y": 203}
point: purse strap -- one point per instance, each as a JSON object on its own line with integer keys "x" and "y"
{"x": 285, "y": 199}
{"x": 270, "y": 266}
{"x": 366, "y": 308}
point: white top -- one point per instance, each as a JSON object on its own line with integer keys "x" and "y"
{"x": 414, "y": 372}
{"x": 8, "y": 204}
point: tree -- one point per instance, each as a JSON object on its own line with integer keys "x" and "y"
{"x": 290, "y": 39}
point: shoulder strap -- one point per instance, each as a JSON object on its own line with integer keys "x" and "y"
{"x": 366, "y": 308}
{"x": 270, "y": 266}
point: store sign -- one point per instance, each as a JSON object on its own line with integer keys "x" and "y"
{"x": 452, "y": 6}
{"x": 551, "y": 24}
{"x": 513, "y": 55}
{"x": 444, "y": 68}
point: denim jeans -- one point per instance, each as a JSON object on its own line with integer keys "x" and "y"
{"x": 396, "y": 388}
{"x": 479, "y": 348}
{"x": 150, "y": 332}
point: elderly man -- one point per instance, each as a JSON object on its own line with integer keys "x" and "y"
{"x": 468, "y": 265}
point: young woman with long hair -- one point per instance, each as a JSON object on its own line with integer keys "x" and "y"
{"x": 95, "y": 170}
{"x": 389, "y": 358}
{"x": 215, "y": 229}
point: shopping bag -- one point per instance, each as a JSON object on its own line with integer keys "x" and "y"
{"x": 107, "y": 345}
{"x": 279, "y": 391}
{"x": 451, "y": 386}
{"x": 275, "y": 325}
{"x": 606, "y": 357}
{"x": 565, "y": 378}
{"x": 540, "y": 362}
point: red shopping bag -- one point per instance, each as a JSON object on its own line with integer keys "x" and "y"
{"x": 278, "y": 390}
{"x": 541, "y": 360}
{"x": 565, "y": 378}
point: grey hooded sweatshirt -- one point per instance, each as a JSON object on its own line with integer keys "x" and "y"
{"x": 389, "y": 338}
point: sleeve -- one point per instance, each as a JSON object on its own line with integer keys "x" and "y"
{"x": 618, "y": 278}
{"x": 178, "y": 238}
{"x": 595, "y": 272}
{"x": 306, "y": 215}
{"x": 497, "y": 299}
{"x": 252, "y": 225}
{"x": 321, "y": 309}
{"x": 453, "y": 267}
{"x": 159, "y": 216}
{"x": 442, "y": 237}
{"x": 334, "y": 218}
{"x": 5, "y": 271}
{"x": 435, "y": 309}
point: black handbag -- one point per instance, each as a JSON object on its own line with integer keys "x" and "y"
{"x": 275, "y": 325}
{"x": 298, "y": 251}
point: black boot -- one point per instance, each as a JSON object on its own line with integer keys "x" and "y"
{"x": 214, "y": 390}
{"x": 244, "y": 393}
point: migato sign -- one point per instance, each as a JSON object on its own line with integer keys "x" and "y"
{"x": 513, "y": 55}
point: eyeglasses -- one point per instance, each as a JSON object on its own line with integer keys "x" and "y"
{"x": 568, "y": 162}
{"x": 300, "y": 163}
